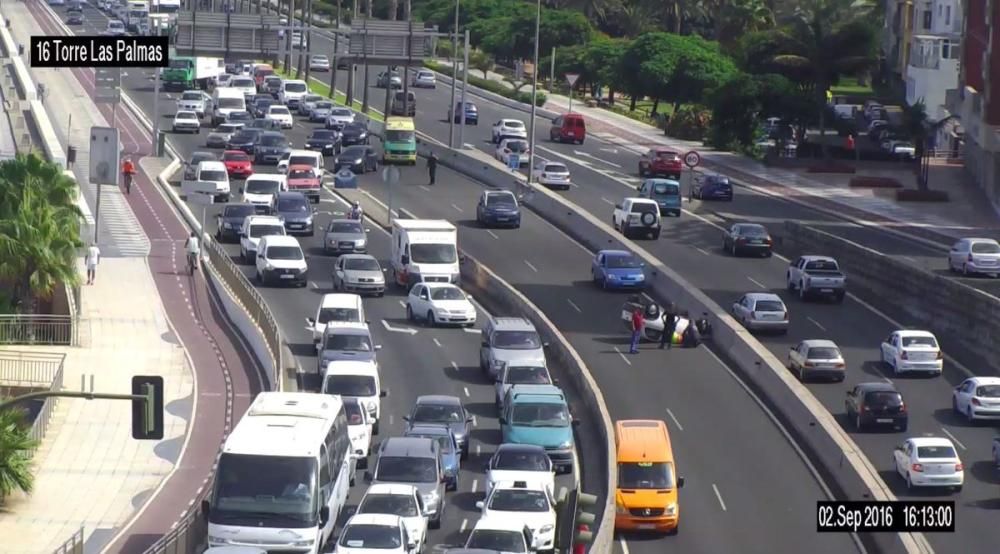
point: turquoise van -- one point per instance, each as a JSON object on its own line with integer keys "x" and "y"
{"x": 539, "y": 415}
{"x": 666, "y": 193}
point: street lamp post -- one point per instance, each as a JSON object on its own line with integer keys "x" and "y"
{"x": 454, "y": 79}
{"x": 534, "y": 92}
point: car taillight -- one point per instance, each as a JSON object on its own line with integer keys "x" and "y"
{"x": 970, "y": 257}
{"x": 959, "y": 466}
{"x": 785, "y": 316}
{"x": 810, "y": 364}
{"x": 769, "y": 243}
{"x": 904, "y": 356}
{"x": 976, "y": 402}
{"x": 917, "y": 467}
{"x": 838, "y": 365}
{"x": 940, "y": 355}
{"x": 902, "y": 406}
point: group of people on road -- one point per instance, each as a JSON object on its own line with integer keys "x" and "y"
{"x": 691, "y": 336}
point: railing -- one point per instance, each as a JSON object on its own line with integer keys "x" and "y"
{"x": 35, "y": 370}
{"x": 39, "y": 329}
{"x": 73, "y": 545}
{"x": 190, "y": 534}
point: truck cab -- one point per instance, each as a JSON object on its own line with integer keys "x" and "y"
{"x": 539, "y": 415}
{"x": 424, "y": 250}
{"x": 637, "y": 216}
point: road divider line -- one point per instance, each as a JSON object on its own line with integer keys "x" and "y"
{"x": 953, "y": 438}
{"x": 457, "y": 209}
{"x": 624, "y": 545}
{"x": 574, "y": 306}
{"x": 492, "y": 234}
{"x": 465, "y": 524}
{"x": 454, "y": 366}
{"x": 475, "y": 421}
{"x": 816, "y": 323}
{"x": 407, "y": 330}
{"x": 466, "y": 391}
{"x": 756, "y": 282}
{"x": 437, "y": 342}
{"x": 673, "y": 417}
{"x": 620, "y": 353}
{"x": 702, "y": 250}
{"x": 719, "y": 496}
{"x": 471, "y": 330}
{"x": 475, "y": 484}
{"x": 610, "y": 203}
{"x": 533, "y": 268}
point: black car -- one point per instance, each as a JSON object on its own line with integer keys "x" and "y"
{"x": 358, "y": 158}
{"x": 260, "y": 106}
{"x": 229, "y": 222}
{"x": 747, "y": 237}
{"x": 244, "y": 140}
{"x": 273, "y": 86}
{"x": 870, "y": 404}
{"x": 354, "y": 133}
{"x": 712, "y": 187}
{"x": 296, "y": 211}
{"x": 192, "y": 165}
{"x": 327, "y": 142}
{"x": 271, "y": 147}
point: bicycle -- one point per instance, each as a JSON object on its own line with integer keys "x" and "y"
{"x": 192, "y": 259}
{"x": 128, "y": 182}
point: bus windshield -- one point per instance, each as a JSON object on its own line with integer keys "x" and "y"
{"x": 400, "y": 136}
{"x": 268, "y": 491}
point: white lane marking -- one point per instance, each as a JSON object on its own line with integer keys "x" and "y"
{"x": 593, "y": 157}
{"x": 608, "y": 201}
{"x": 407, "y": 330}
{"x": 471, "y": 330}
{"x": 533, "y": 268}
{"x": 673, "y": 417}
{"x": 575, "y": 307}
{"x": 425, "y": 187}
{"x": 313, "y": 285}
{"x": 457, "y": 209}
{"x": 622, "y": 355}
{"x": 953, "y": 439}
{"x": 816, "y": 323}
{"x": 624, "y": 545}
{"x": 401, "y": 303}
{"x": 466, "y": 391}
{"x": 702, "y": 250}
{"x": 719, "y": 496}
{"x": 437, "y": 342}
{"x": 492, "y": 234}
{"x": 475, "y": 484}
{"x": 454, "y": 366}
{"x": 887, "y": 380}
{"x": 478, "y": 449}
{"x": 392, "y": 419}
{"x": 465, "y": 523}
{"x": 756, "y": 282}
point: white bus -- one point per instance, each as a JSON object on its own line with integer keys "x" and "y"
{"x": 166, "y": 6}
{"x": 283, "y": 476}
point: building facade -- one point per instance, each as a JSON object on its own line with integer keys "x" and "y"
{"x": 933, "y": 60}
{"x": 896, "y": 36}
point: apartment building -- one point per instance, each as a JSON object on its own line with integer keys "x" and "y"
{"x": 935, "y": 49}
{"x": 896, "y": 36}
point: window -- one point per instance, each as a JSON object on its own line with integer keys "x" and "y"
{"x": 348, "y": 343}
{"x": 257, "y": 231}
{"x": 350, "y": 385}
{"x": 519, "y": 500}
{"x": 338, "y": 442}
{"x": 324, "y": 467}
{"x": 326, "y": 315}
{"x": 402, "y": 505}
{"x": 517, "y": 340}
{"x": 283, "y": 253}
{"x": 262, "y": 187}
{"x": 946, "y": 452}
{"x": 947, "y": 15}
{"x": 212, "y": 175}
{"x": 406, "y": 469}
{"x": 928, "y": 15}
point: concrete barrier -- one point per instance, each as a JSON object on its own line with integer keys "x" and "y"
{"x": 50, "y": 141}
{"x": 963, "y": 318}
{"x": 841, "y": 464}
{"x": 24, "y": 83}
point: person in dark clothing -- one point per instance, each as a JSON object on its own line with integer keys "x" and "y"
{"x": 689, "y": 339}
{"x": 669, "y": 325}
{"x": 432, "y": 165}
{"x": 703, "y": 326}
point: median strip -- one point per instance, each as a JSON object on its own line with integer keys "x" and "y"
{"x": 319, "y": 87}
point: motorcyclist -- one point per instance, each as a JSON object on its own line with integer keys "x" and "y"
{"x": 193, "y": 249}
{"x": 356, "y": 211}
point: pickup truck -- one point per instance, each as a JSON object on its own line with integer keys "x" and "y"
{"x": 816, "y": 276}
{"x": 634, "y": 216}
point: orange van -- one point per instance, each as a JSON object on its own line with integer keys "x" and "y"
{"x": 568, "y": 128}
{"x": 646, "y": 498}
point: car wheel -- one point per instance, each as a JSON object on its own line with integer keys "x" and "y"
{"x": 734, "y": 251}
{"x": 409, "y": 313}
{"x": 375, "y": 428}
{"x": 909, "y": 482}
{"x": 430, "y": 319}
{"x": 969, "y": 416}
{"x": 951, "y": 267}
{"x": 895, "y": 367}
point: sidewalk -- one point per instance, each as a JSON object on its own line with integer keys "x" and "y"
{"x": 89, "y": 470}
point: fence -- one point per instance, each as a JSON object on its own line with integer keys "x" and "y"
{"x": 190, "y": 534}
{"x": 61, "y": 330}
{"x": 34, "y": 370}
{"x": 73, "y": 545}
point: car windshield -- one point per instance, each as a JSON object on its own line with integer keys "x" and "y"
{"x": 257, "y": 231}
{"x": 240, "y": 115}
{"x": 354, "y": 127}
{"x": 301, "y": 174}
{"x": 244, "y": 136}
{"x": 348, "y": 343}
{"x": 405, "y": 469}
{"x": 312, "y": 98}
{"x": 302, "y": 160}
{"x": 668, "y": 156}
{"x": 666, "y": 189}
{"x": 295, "y": 87}
{"x": 191, "y": 96}
{"x": 342, "y": 112}
{"x": 926, "y": 452}
{"x": 646, "y": 475}
{"x": 503, "y": 199}
{"x": 519, "y": 500}
{"x": 262, "y": 187}
{"x": 199, "y": 157}
{"x": 884, "y": 398}
{"x": 292, "y": 205}
{"x": 555, "y": 168}
{"x": 228, "y": 128}
{"x": 238, "y": 210}
{"x": 319, "y": 58}
{"x": 235, "y": 157}
{"x": 433, "y": 253}
{"x": 326, "y": 315}
{"x": 522, "y": 461}
{"x": 769, "y": 306}
{"x": 823, "y": 353}
{"x": 323, "y": 106}
{"x": 444, "y": 441}
{"x": 988, "y": 391}
{"x": 350, "y": 385}
{"x": 354, "y": 414}
{"x": 382, "y": 537}
{"x": 518, "y": 146}
{"x": 436, "y": 413}
{"x": 281, "y": 490}
{"x": 919, "y": 341}
{"x": 644, "y": 207}
{"x": 393, "y": 504}
{"x": 353, "y": 153}
{"x": 263, "y": 103}
{"x": 186, "y": 115}
{"x": 620, "y": 262}
{"x": 352, "y": 227}
{"x": 517, "y": 340}
{"x": 526, "y": 375}
{"x": 496, "y": 540}
{"x": 752, "y": 231}
{"x": 273, "y": 140}
{"x": 534, "y": 414}
{"x": 985, "y": 248}
{"x": 447, "y": 293}
{"x": 213, "y": 175}
{"x": 324, "y": 135}
{"x": 400, "y": 136}
{"x": 284, "y": 253}
{"x": 361, "y": 264}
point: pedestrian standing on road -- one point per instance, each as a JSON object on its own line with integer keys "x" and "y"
{"x": 93, "y": 258}
{"x": 637, "y": 324}
{"x": 669, "y": 325}
{"x": 432, "y": 166}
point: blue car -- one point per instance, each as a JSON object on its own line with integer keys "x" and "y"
{"x": 471, "y": 113}
{"x": 498, "y": 208}
{"x": 618, "y": 269}
{"x": 712, "y": 187}
{"x": 450, "y": 453}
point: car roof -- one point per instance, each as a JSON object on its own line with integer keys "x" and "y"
{"x": 185, "y": 112}
{"x": 980, "y": 239}
{"x": 265, "y": 177}
{"x": 820, "y": 343}
{"x": 290, "y": 194}
{"x": 529, "y": 484}
{"x": 339, "y": 300}
{"x": 432, "y": 285}
{"x": 374, "y": 519}
{"x": 439, "y": 399}
{"x": 498, "y": 193}
{"x": 931, "y": 441}
{"x": 240, "y": 152}
{"x": 757, "y": 296}
{"x": 415, "y": 447}
{"x": 640, "y": 200}
{"x": 212, "y": 165}
{"x": 280, "y": 240}
{"x": 300, "y": 167}
{"x": 357, "y": 257}
{"x": 615, "y": 253}
{"x": 985, "y": 380}
{"x": 811, "y": 258}
{"x": 526, "y": 448}
{"x": 391, "y": 488}
{"x": 428, "y": 429}
{"x": 505, "y": 120}
{"x": 537, "y": 390}
{"x": 499, "y": 523}
{"x": 348, "y": 328}
{"x": 265, "y": 133}
{"x": 264, "y": 220}
{"x": 915, "y": 333}
{"x": 876, "y": 386}
{"x": 512, "y": 324}
{"x": 351, "y": 367}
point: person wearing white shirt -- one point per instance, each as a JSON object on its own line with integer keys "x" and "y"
{"x": 193, "y": 250}
{"x": 93, "y": 257}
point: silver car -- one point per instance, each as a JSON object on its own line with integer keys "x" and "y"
{"x": 321, "y": 111}
{"x": 220, "y": 136}
{"x": 417, "y": 462}
{"x": 509, "y": 341}
{"x": 307, "y": 104}
{"x": 360, "y": 274}
{"x": 761, "y": 311}
{"x": 424, "y": 78}
{"x": 191, "y": 167}
{"x": 345, "y": 236}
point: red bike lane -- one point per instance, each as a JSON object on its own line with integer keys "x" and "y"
{"x": 226, "y": 373}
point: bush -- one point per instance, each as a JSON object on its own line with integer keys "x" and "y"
{"x": 495, "y": 87}
{"x": 690, "y": 123}
{"x": 875, "y": 183}
{"x": 916, "y": 195}
{"x": 831, "y": 167}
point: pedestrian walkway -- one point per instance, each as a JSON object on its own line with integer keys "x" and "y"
{"x": 89, "y": 470}
{"x": 73, "y": 114}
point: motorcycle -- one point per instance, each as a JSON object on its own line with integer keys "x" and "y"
{"x": 652, "y": 315}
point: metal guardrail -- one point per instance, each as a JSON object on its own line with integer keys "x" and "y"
{"x": 36, "y": 370}
{"x": 190, "y": 536}
{"x": 73, "y": 545}
{"x": 59, "y": 330}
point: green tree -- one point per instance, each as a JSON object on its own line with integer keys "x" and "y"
{"x": 646, "y": 65}
{"x": 918, "y": 127}
{"x": 512, "y": 36}
{"x": 602, "y": 59}
{"x": 736, "y": 112}
{"x": 16, "y": 446}
{"x": 700, "y": 68}
{"x": 480, "y": 61}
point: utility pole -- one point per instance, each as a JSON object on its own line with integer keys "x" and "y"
{"x": 288, "y": 34}
{"x": 364, "y": 91}
{"x": 465, "y": 86}
{"x": 552, "y": 71}
{"x": 534, "y": 93}
{"x": 454, "y": 79}
{"x": 308, "y": 35}
{"x": 336, "y": 49}
{"x": 302, "y": 34}
{"x": 156, "y": 114}
{"x": 406, "y": 68}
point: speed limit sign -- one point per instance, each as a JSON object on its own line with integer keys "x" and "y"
{"x": 692, "y": 159}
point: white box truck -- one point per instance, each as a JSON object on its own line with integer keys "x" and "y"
{"x": 424, "y": 250}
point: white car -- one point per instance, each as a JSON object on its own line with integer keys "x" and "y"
{"x": 509, "y": 128}
{"x": 375, "y": 534}
{"x": 337, "y": 307}
{"x": 259, "y": 189}
{"x": 817, "y": 358}
{"x": 513, "y": 147}
{"x": 975, "y": 255}
{"x": 195, "y": 101}
{"x": 115, "y": 28}
{"x": 244, "y": 84}
{"x": 440, "y": 303}
{"x": 520, "y": 462}
{"x": 977, "y": 398}
{"x": 280, "y": 260}
{"x": 929, "y": 462}
{"x": 424, "y": 78}
{"x": 319, "y": 62}
{"x": 398, "y": 500}
{"x": 254, "y": 228}
{"x": 281, "y": 116}
{"x": 339, "y": 117}
{"x": 552, "y": 174}
{"x": 912, "y": 351}
{"x": 500, "y": 535}
{"x": 761, "y": 311}
{"x": 307, "y": 103}
{"x": 360, "y": 427}
{"x": 901, "y": 148}
{"x": 524, "y": 503}
{"x": 186, "y": 122}
{"x": 356, "y": 379}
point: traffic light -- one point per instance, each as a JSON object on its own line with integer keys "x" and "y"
{"x": 147, "y": 412}
{"x": 584, "y": 501}
{"x": 572, "y": 519}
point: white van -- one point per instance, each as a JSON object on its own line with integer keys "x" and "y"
{"x": 424, "y": 250}
{"x": 303, "y": 157}
{"x": 254, "y": 228}
{"x": 259, "y": 190}
{"x": 356, "y": 379}
{"x": 291, "y": 92}
{"x": 210, "y": 177}
{"x": 280, "y": 260}
{"x": 336, "y": 308}
{"x": 226, "y": 100}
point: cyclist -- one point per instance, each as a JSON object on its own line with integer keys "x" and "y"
{"x": 193, "y": 250}
{"x": 356, "y": 212}
{"x": 128, "y": 170}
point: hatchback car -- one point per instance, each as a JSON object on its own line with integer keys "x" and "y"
{"x": 320, "y": 111}
{"x": 509, "y": 128}
{"x": 929, "y": 462}
{"x": 261, "y": 105}
{"x": 388, "y": 79}
{"x": 322, "y": 140}
{"x": 438, "y": 409}
{"x": 191, "y": 167}
{"x": 471, "y": 113}
{"x": 509, "y": 340}
{"x": 369, "y": 533}
{"x": 186, "y": 122}
{"x": 520, "y": 374}
{"x": 229, "y": 221}
{"x": 747, "y": 238}
{"x": 817, "y": 358}
{"x": 238, "y": 164}
{"x": 975, "y": 255}
{"x": 75, "y": 17}
{"x": 351, "y": 133}
{"x": 520, "y": 462}
{"x": 440, "y": 304}
{"x": 295, "y": 211}
{"x": 245, "y": 140}
{"x": 510, "y": 149}
{"x": 912, "y": 350}
{"x": 399, "y": 500}
{"x": 554, "y": 175}
{"x": 319, "y": 62}
{"x": 712, "y": 187}
{"x": 450, "y": 453}
{"x": 877, "y": 403}
{"x": 270, "y": 147}
{"x": 761, "y": 311}
{"x": 308, "y": 103}
{"x": 241, "y": 116}
{"x": 617, "y": 269}
{"x": 359, "y": 273}
{"x": 347, "y": 341}
{"x": 358, "y": 158}
{"x": 220, "y": 136}
{"x": 498, "y": 208}
{"x": 345, "y": 236}
{"x": 424, "y": 78}
{"x": 661, "y": 161}
{"x": 977, "y": 398}
{"x": 281, "y": 115}
{"x": 339, "y": 117}
{"x": 413, "y": 461}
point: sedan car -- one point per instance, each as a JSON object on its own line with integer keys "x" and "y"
{"x": 75, "y": 18}
{"x": 260, "y": 106}
{"x": 319, "y": 62}
{"x": 229, "y": 221}
{"x": 271, "y": 147}
{"x": 509, "y": 128}
{"x": 264, "y": 125}
{"x": 424, "y": 78}
{"x": 509, "y": 148}
{"x": 358, "y": 158}
{"x": 238, "y": 164}
{"x": 402, "y": 500}
{"x": 375, "y": 533}
{"x": 975, "y": 255}
{"x": 899, "y": 148}
{"x": 712, "y": 187}
{"x": 761, "y": 311}
{"x": 239, "y": 117}
{"x": 443, "y": 410}
{"x": 929, "y": 462}
{"x": 220, "y": 136}
{"x": 554, "y": 175}
{"x": 186, "y": 122}
{"x": 282, "y": 115}
{"x": 617, "y": 269}
{"x": 520, "y": 373}
{"x": 471, "y": 113}
{"x": 272, "y": 85}
{"x": 876, "y": 403}
{"x": 817, "y": 358}
{"x": 498, "y": 208}
{"x": 910, "y": 350}
{"x": 191, "y": 167}
{"x": 352, "y": 133}
{"x": 320, "y": 111}
{"x": 389, "y": 79}
{"x": 307, "y": 103}
{"x": 977, "y": 398}
{"x": 245, "y": 140}
{"x": 451, "y": 456}
{"x": 339, "y": 117}
{"x": 345, "y": 236}
{"x": 440, "y": 304}
{"x": 322, "y": 140}
{"x": 360, "y": 274}
{"x": 747, "y": 237}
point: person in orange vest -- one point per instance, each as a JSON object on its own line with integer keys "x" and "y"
{"x": 128, "y": 171}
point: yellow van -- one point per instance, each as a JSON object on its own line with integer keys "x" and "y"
{"x": 646, "y": 499}
{"x": 400, "y": 143}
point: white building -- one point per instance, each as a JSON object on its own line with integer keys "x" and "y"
{"x": 935, "y": 50}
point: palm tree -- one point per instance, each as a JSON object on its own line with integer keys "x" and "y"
{"x": 393, "y": 9}
{"x": 16, "y": 447}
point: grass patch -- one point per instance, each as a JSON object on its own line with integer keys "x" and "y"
{"x": 318, "y": 87}
{"x": 850, "y": 87}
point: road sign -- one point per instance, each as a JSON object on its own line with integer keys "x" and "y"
{"x": 107, "y": 85}
{"x": 104, "y": 151}
{"x": 571, "y": 78}
{"x": 390, "y": 175}
{"x": 692, "y": 159}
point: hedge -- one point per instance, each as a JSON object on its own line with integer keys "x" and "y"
{"x": 496, "y": 87}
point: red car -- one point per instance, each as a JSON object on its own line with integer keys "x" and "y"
{"x": 302, "y": 178}
{"x": 237, "y": 163}
{"x": 661, "y": 161}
